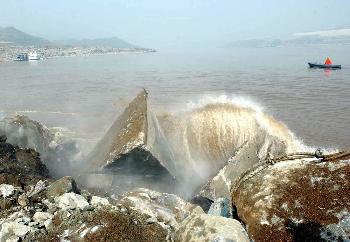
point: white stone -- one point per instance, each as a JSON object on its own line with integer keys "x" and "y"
{"x": 10, "y": 230}
{"x": 71, "y": 201}
{"x": 40, "y": 186}
{"x": 41, "y": 217}
{"x": 48, "y": 223}
{"x": 167, "y": 208}
{"x": 204, "y": 227}
{"x": 99, "y": 201}
{"x": 22, "y": 200}
{"x": 7, "y": 190}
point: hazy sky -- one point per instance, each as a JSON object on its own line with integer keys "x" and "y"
{"x": 164, "y": 23}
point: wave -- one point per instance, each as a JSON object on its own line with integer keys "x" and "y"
{"x": 212, "y": 131}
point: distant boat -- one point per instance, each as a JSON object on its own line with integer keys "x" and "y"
{"x": 33, "y": 56}
{"x": 21, "y": 57}
{"x": 324, "y": 66}
{"x": 327, "y": 65}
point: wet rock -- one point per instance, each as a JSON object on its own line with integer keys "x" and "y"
{"x": 221, "y": 207}
{"x": 167, "y": 208}
{"x": 204, "y": 227}
{"x": 20, "y": 166}
{"x": 71, "y": 201}
{"x": 3, "y": 138}
{"x": 134, "y": 150}
{"x": 7, "y": 151}
{"x": 203, "y": 202}
{"x": 56, "y": 152}
{"x": 6, "y": 190}
{"x": 294, "y": 200}
{"x": 64, "y": 185}
{"x": 99, "y": 201}
{"x": 249, "y": 154}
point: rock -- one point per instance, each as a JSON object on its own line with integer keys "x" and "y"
{"x": 337, "y": 232}
{"x": 3, "y": 138}
{"x": 258, "y": 148}
{"x": 293, "y": 200}
{"x": 221, "y": 207}
{"x": 48, "y": 223}
{"x": 38, "y": 188}
{"x": 22, "y": 200}
{"x": 58, "y": 153}
{"x": 6, "y": 190}
{"x": 25, "y": 220}
{"x": 41, "y": 217}
{"x": 167, "y": 208}
{"x": 11, "y": 230}
{"x": 59, "y": 187}
{"x": 71, "y": 201}
{"x": 99, "y": 201}
{"x": 20, "y": 167}
{"x": 134, "y": 151}
{"x": 7, "y": 151}
{"x": 203, "y": 202}
{"x": 103, "y": 224}
{"x": 6, "y": 203}
{"x": 204, "y": 227}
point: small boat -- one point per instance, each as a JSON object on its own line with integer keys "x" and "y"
{"x": 327, "y": 65}
{"x": 324, "y": 66}
{"x": 33, "y": 56}
{"x": 21, "y": 57}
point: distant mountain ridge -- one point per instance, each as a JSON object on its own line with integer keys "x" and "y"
{"x": 112, "y": 42}
{"x": 13, "y": 36}
{"x": 333, "y": 36}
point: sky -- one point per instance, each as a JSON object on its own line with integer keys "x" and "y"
{"x": 177, "y": 23}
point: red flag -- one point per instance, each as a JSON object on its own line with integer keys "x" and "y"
{"x": 328, "y": 61}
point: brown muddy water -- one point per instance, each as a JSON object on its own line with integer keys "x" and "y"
{"x": 81, "y": 96}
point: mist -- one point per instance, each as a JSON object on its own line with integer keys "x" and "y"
{"x": 173, "y": 24}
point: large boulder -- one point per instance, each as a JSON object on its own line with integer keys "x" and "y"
{"x": 165, "y": 209}
{"x": 64, "y": 185}
{"x": 252, "y": 152}
{"x": 57, "y": 153}
{"x": 18, "y": 161}
{"x": 208, "y": 228}
{"x": 134, "y": 151}
{"x": 295, "y": 200}
{"x": 71, "y": 201}
{"x": 13, "y": 231}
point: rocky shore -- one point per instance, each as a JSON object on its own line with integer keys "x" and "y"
{"x": 9, "y": 53}
{"x": 302, "y": 196}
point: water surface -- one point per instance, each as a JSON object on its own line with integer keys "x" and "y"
{"x": 85, "y": 94}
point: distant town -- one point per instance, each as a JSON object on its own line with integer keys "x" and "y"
{"x": 17, "y": 45}
{"x": 10, "y": 53}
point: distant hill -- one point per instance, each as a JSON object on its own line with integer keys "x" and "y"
{"x": 113, "y": 42}
{"x": 334, "y": 36}
{"x": 14, "y": 36}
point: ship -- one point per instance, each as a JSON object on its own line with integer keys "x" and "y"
{"x": 33, "y": 56}
{"x": 21, "y": 57}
